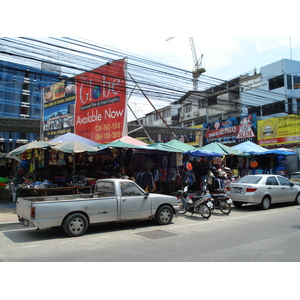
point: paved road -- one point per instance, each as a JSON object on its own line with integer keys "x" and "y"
{"x": 246, "y": 235}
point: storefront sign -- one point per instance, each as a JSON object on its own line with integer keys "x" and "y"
{"x": 231, "y": 131}
{"x": 100, "y": 110}
{"x": 59, "y": 103}
{"x": 281, "y": 130}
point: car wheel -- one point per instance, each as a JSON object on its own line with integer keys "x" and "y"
{"x": 75, "y": 225}
{"x": 265, "y": 203}
{"x": 297, "y": 200}
{"x": 237, "y": 204}
{"x": 164, "y": 215}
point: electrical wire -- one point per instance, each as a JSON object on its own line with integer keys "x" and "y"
{"x": 159, "y": 81}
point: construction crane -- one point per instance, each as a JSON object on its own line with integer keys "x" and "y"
{"x": 198, "y": 69}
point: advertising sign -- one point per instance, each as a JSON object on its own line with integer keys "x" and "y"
{"x": 281, "y": 130}
{"x": 100, "y": 109}
{"x": 59, "y": 102}
{"x": 231, "y": 131}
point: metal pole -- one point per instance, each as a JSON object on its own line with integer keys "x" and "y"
{"x": 153, "y": 106}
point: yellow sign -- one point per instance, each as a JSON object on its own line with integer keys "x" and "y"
{"x": 281, "y": 130}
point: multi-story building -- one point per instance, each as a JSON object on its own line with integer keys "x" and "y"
{"x": 21, "y": 102}
{"x": 272, "y": 92}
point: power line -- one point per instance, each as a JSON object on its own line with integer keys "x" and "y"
{"x": 160, "y": 81}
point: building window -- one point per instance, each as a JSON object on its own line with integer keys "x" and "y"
{"x": 277, "y": 82}
{"x": 187, "y": 108}
{"x": 290, "y": 105}
{"x": 273, "y": 108}
{"x": 212, "y": 101}
{"x": 289, "y": 82}
{"x": 188, "y": 124}
{"x": 296, "y": 82}
{"x": 254, "y": 110}
{"x": 167, "y": 113}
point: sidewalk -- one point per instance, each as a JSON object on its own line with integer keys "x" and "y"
{"x": 8, "y": 213}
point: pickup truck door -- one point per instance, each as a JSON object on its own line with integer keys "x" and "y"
{"x": 104, "y": 207}
{"x": 134, "y": 203}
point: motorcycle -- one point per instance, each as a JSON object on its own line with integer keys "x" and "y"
{"x": 222, "y": 202}
{"x": 200, "y": 204}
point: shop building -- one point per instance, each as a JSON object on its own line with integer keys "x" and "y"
{"x": 271, "y": 93}
{"x": 21, "y": 102}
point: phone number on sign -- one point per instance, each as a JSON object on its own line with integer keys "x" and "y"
{"x": 108, "y": 136}
{"x": 108, "y": 127}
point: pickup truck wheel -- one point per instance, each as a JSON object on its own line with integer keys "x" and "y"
{"x": 164, "y": 215}
{"x": 75, "y": 225}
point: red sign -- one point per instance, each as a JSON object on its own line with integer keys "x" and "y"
{"x": 100, "y": 109}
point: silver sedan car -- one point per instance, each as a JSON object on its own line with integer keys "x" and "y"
{"x": 263, "y": 189}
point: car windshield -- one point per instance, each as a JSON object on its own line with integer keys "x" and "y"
{"x": 250, "y": 179}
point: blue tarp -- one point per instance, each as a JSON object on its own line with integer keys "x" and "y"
{"x": 205, "y": 153}
{"x": 276, "y": 152}
{"x": 249, "y": 147}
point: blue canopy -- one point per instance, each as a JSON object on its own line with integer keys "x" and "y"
{"x": 249, "y": 147}
{"x": 277, "y": 152}
{"x": 205, "y": 153}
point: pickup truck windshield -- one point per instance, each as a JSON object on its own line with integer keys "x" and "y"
{"x": 105, "y": 188}
{"x": 130, "y": 189}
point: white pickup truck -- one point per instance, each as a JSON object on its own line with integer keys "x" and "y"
{"x": 114, "y": 200}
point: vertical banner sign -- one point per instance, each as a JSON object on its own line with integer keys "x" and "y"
{"x": 100, "y": 108}
{"x": 59, "y": 102}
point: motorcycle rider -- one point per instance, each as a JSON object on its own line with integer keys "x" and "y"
{"x": 216, "y": 180}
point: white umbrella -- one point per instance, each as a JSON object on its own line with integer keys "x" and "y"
{"x": 75, "y": 147}
{"x": 30, "y": 146}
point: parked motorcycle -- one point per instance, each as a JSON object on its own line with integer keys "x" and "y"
{"x": 222, "y": 202}
{"x": 200, "y": 204}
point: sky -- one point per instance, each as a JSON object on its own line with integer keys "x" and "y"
{"x": 223, "y": 57}
{"x": 233, "y": 39}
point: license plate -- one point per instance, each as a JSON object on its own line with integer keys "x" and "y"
{"x": 229, "y": 201}
{"x": 209, "y": 204}
{"x": 237, "y": 190}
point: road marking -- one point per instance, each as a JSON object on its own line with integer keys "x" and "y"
{"x": 29, "y": 246}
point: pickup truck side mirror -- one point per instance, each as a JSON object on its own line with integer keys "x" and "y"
{"x": 146, "y": 194}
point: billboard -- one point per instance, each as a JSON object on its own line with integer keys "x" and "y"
{"x": 92, "y": 105}
{"x": 59, "y": 103}
{"x": 100, "y": 108}
{"x": 231, "y": 131}
{"x": 280, "y": 130}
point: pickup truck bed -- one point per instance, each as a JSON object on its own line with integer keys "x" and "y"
{"x": 114, "y": 200}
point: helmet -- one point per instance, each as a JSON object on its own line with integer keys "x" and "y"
{"x": 213, "y": 169}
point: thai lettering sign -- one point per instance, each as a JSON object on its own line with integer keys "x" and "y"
{"x": 231, "y": 131}
{"x": 280, "y": 130}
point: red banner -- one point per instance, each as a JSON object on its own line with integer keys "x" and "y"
{"x": 100, "y": 109}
